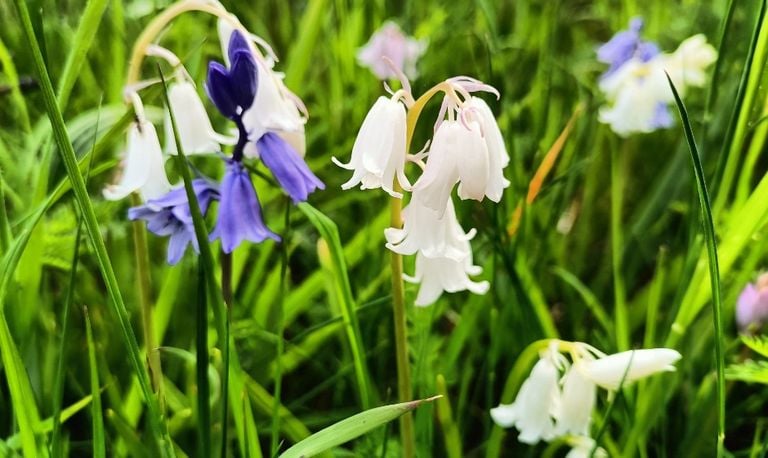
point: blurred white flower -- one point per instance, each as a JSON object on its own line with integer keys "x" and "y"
{"x": 582, "y": 448}
{"x": 608, "y": 371}
{"x": 438, "y": 275}
{"x": 574, "y": 415}
{"x": 425, "y": 232}
{"x": 686, "y": 66}
{"x": 533, "y": 410}
{"x": 143, "y": 165}
{"x": 378, "y": 154}
{"x": 193, "y": 125}
{"x": 390, "y": 42}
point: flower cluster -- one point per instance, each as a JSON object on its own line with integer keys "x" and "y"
{"x": 635, "y": 84}
{"x": 467, "y": 149}
{"x": 550, "y": 405}
{"x": 270, "y": 127}
{"x": 752, "y": 305}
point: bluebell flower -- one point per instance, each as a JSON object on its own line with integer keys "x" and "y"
{"x": 239, "y": 211}
{"x": 289, "y": 169}
{"x": 170, "y": 215}
{"x": 626, "y": 45}
{"x": 233, "y": 89}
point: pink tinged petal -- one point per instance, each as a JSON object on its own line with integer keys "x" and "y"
{"x": 752, "y": 306}
{"x": 143, "y": 166}
{"x": 505, "y": 415}
{"x": 607, "y": 372}
{"x": 442, "y": 171}
{"x": 194, "y": 127}
{"x": 473, "y": 172}
{"x": 389, "y": 42}
{"x": 577, "y": 403}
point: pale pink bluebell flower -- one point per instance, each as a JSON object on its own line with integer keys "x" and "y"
{"x": 752, "y": 305}
{"x": 389, "y": 47}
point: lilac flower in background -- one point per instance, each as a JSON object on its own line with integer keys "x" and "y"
{"x": 390, "y": 42}
{"x": 170, "y": 215}
{"x": 626, "y": 45}
{"x": 752, "y": 305}
{"x": 239, "y": 211}
{"x": 289, "y": 169}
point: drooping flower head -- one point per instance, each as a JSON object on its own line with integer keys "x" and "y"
{"x": 289, "y": 169}
{"x": 170, "y": 215}
{"x": 566, "y": 410}
{"x": 240, "y": 215}
{"x": 233, "y": 89}
{"x": 389, "y": 43}
{"x": 752, "y": 305}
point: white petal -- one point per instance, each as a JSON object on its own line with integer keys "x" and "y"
{"x": 143, "y": 166}
{"x": 473, "y": 171}
{"x": 504, "y": 415}
{"x": 534, "y": 402}
{"x": 608, "y": 371}
{"x": 442, "y": 171}
{"x": 194, "y": 127}
{"x": 498, "y": 158}
{"x": 582, "y": 448}
{"x": 687, "y": 65}
{"x": 444, "y": 274}
{"x": 577, "y": 403}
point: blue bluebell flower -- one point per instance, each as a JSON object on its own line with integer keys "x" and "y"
{"x": 239, "y": 211}
{"x": 233, "y": 89}
{"x": 626, "y": 45}
{"x": 289, "y": 169}
{"x": 170, "y": 215}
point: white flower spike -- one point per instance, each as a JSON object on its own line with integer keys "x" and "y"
{"x": 608, "y": 371}
{"x": 378, "y": 155}
{"x": 143, "y": 163}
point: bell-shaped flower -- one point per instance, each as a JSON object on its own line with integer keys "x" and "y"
{"x": 194, "y": 127}
{"x": 274, "y": 107}
{"x": 438, "y": 275}
{"x": 752, "y": 305}
{"x": 608, "y": 371}
{"x": 170, "y": 215}
{"x": 686, "y": 66}
{"x": 574, "y": 414}
{"x": 391, "y": 43}
{"x": 239, "y": 216}
{"x": 378, "y": 154}
{"x": 454, "y": 144}
{"x": 498, "y": 158}
{"x": 536, "y": 402}
{"x": 288, "y": 167}
{"x": 143, "y": 165}
{"x": 426, "y": 232}
{"x": 233, "y": 89}
{"x": 626, "y": 45}
{"x": 582, "y": 448}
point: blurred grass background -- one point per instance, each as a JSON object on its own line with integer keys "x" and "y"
{"x": 541, "y": 57}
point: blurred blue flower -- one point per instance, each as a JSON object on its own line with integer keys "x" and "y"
{"x": 233, "y": 89}
{"x": 626, "y": 45}
{"x": 239, "y": 211}
{"x": 170, "y": 215}
{"x": 289, "y": 169}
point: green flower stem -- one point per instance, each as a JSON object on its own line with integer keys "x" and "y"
{"x": 144, "y": 281}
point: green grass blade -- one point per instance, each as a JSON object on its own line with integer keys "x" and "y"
{"x": 714, "y": 269}
{"x": 203, "y": 387}
{"x": 330, "y": 233}
{"x": 86, "y": 31}
{"x": 67, "y": 153}
{"x": 350, "y": 428}
{"x": 97, "y": 418}
{"x": 46, "y": 425}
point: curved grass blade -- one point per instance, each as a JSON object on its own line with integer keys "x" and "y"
{"x": 714, "y": 269}
{"x": 67, "y": 153}
{"x": 351, "y": 428}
